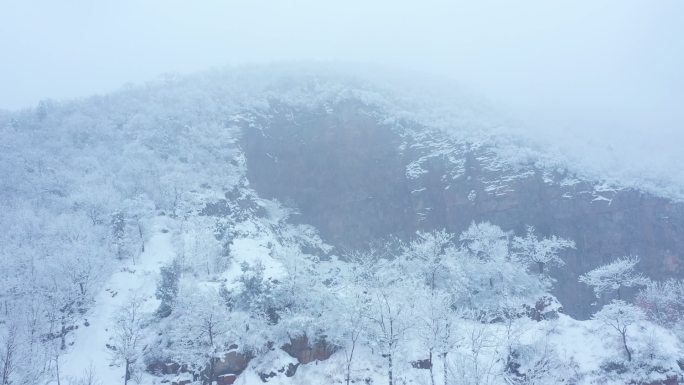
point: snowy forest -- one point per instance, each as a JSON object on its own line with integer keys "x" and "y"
{"x": 136, "y": 249}
{"x": 307, "y": 192}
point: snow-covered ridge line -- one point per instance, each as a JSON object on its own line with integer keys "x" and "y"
{"x": 423, "y": 101}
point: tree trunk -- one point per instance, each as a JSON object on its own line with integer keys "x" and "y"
{"x": 142, "y": 240}
{"x": 541, "y": 267}
{"x": 389, "y": 370}
{"x": 624, "y": 344}
{"x": 63, "y": 338}
{"x": 350, "y": 357}
{"x": 348, "y": 370}
{"x": 57, "y": 369}
{"x": 432, "y": 374}
{"x": 8, "y": 363}
{"x": 127, "y": 375}
{"x": 211, "y": 356}
{"x": 6, "y": 369}
{"x": 212, "y": 364}
{"x": 444, "y": 362}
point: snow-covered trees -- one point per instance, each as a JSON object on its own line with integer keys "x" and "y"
{"x": 428, "y": 253}
{"x": 425, "y": 291}
{"x": 167, "y": 288}
{"x": 438, "y": 282}
{"x": 126, "y": 337}
{"x": 479, "y": 360}
{"x": 538, "y": 363}
{"x": 294, "y": 291}
{"x": 663, "y": 303}
{"x": 126, "y": 234}
{"x": 23, "y": 350}
{"x": 353, "y": 307}
{"x": 540, "y": 252}
{"x": 21, "y": 354}
{"x": 614, "y": 275}
{"x": 619, "y": 316}
{"x": 413, "y": 300}
{"x": 485, "y": 241}
{"x": 495, "y": 279}
{"x": 435, "y": 327}
{"x": 390, "y": 318}
{"x": 255, "y": 293}
{"x": 76, "y": 181}
{"x": 202, "y": 330}
{"x": 118, "y": 223}
{"x": 349, "y": 310}
{"x": 84, "y": 195}
{"x": 53, "y": 265}
{"x": 200, "y": 249}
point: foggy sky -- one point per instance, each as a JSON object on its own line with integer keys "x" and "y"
{"x": 591, "y": 68}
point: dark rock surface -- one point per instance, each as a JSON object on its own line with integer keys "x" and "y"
{"x": 357, "y": 179}
{"x": 306, "y": 351}
{"x": 232, "y": 363}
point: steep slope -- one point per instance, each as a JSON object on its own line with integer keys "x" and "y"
{"x": 92, "y": 342}
{"x": 208, "y": 171}
{"x": 357, "y": 178}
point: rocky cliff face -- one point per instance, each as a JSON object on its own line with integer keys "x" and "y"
{"x": 357, "y": 180}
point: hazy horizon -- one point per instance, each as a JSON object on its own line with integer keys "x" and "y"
{"x": 605, "y": 72}
{"x": 360, "y": 192}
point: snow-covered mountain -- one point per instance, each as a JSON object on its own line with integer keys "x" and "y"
{"x": 304, "y": 225}
{"x": 358, "y": 175}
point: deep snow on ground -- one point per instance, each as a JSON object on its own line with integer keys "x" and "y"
{"x": 583, "y": 345}
{"x": 132, "y": 280}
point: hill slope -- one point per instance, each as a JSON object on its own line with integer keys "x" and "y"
{"x": 264, "y": 215}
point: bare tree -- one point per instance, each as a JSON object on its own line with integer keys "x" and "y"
{"x": 390, "y": 323}
{"x": 353, "y": 312}
{"x": 127, "y": 334}
{"x": 8, "y": 352}
{"x": 427, "y": 260}
{"x": 479, "y": 362}
{"x": 88, "y": 377}
{"x": 351, "y": 307}
{"x": 619, "y": 316}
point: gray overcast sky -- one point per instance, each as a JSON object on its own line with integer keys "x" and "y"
{"x": 583, "y": 65}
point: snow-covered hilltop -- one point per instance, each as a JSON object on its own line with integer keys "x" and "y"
{"x": 306, "y": 226}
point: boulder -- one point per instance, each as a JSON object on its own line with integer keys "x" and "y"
{"x": 305, "y": 351}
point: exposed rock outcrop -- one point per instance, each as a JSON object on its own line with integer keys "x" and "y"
{"x": 306, "y": 351}
{"x": 358, "y": 179}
